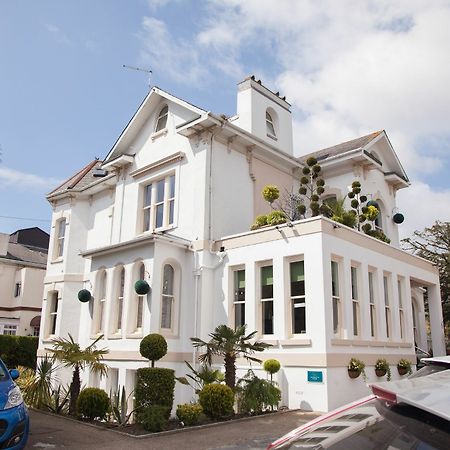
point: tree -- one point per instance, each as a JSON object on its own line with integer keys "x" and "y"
{"x": 70, "y": 354}
{"x": 434, "y": 244}
{"x": 230, "y": 344}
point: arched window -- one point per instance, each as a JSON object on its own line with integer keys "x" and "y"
{"x": 140, "y": 301}
{"x": 270, "y": 125}
{"x": 161, "y": 121}
{"x": 120, "y": 289}
{"x": 101, "y": 302}
{"x": 168, "y": 299}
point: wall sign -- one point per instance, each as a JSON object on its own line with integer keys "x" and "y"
{"x": 315, "y": 376}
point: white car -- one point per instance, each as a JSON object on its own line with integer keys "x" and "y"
{"x": 432, "y": 365}
{"x": 400, "y": 415}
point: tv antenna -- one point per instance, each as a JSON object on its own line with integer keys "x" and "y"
{"x": 139, "y": 69}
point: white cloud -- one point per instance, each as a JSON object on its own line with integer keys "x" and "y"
{"x": 59, "y": 35}
{"x": 175, "y": 58}
{"x": 422, "y": 206}
{"x": 22, "y": 180}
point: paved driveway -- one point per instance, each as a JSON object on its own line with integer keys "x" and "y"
{"x": 53, "y": 432}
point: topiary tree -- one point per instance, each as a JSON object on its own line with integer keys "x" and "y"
{"x": 217, "y": 400}
{"x": 153, "y": 347}
{"x": 154, "y": 386}
{"x": 271, "y": 366}
{"x": 93, "y": 403}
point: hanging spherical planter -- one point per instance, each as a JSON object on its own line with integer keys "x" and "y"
{"x": 398, "y": 218}
{"x": 141, "y": 287}
{"x": 84, "y": 295}
{"x": 373, "y": 203}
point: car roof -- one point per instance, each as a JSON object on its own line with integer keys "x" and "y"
{"x": 440, "y": 360}
{"x": 430, "y": 393}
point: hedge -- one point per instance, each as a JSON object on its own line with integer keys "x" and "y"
{"x": 154, "y": 387}
{"x": 18, "y": 350}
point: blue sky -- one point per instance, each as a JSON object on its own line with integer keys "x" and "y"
{"x": 348, "y": 67}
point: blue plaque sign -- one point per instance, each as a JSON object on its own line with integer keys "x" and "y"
{"x": 315, "y": 376}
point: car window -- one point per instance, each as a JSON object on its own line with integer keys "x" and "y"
{"x": 427, "y": 370}
{"x": 2, "y": 373}
{"x": 378, "y": 427}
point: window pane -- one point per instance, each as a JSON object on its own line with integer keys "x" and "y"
{"x": 148, "y": 195}
{"x": 354, "y": 275}
{"x": 239, "y": 285}
{"x": 160, "y": 190}
{"x": 355, "y": 318}
{"x": 62, "y": 228}
{"x": 172, "y": 186}
{"x": 239, "y": 314}
{"x": 371, "y": 296}
{"x": 122, "y": 282}
{"x": 372, "y": 320}
{"x": 334, "y": 278}
{"x": 387, "y": 322}
{"x": 146, "y": 219}
{"x": 297, "y": 271}
{"x": 168, "y": 280}
{"x": 298, "y": 316}
{"x": 400, "y": 300}
{"x": 162, "y": 119}
{"x": 166, "y": 313}
{"x": 335, "y": 315}
{"x": 267, "y": 315}
{"x": 386, "y": 291}
{"x": 159, "y": 216}
{"x": 171, "y": 211}
{"x": 267, "y": 282}
{"x": 140, "y": 301}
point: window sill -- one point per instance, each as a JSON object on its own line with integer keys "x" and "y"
{"x": 137, "y": 335}
{"x": 159, "y": 133}
{"x": 115, "y": 336}
{"x": 296, "y": 342}
{"x": 57, "y": 260}
{"x": 158, "y": 230}
{"x": 271, "y": 136}
{"x": 364, "y": 343}
{"x": 168, "y": 333}
{"x": 96, "y": 336}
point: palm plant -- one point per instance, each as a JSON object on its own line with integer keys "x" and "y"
{"x": 70, "y": 354}
{"x": 36, "y": 386}
{"x": 205, "y": 375}
{"x": 229, "y": 344}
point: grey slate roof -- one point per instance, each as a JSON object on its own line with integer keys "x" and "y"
{"x": 339, "y": 149}
{"x": 23, "y": 253}
{"x": 80, "y": 180}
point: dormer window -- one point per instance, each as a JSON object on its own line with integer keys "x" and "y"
{"x": 161, "y": 122}
{"x": 270, "y": 127}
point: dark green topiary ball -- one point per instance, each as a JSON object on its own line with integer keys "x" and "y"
{"x": 398, "y": 218}
{"x": 153, "y": 346}
{"x": 84, "y": 295}
{"x": 306, "y": 170}
{"x": 311, "y": 161}
{"x": 141, "y": 287}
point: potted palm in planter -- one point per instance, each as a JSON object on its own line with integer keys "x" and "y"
{"x": 382, "y": 368}
{"x": 404, "y": 367}
{"x": 355, "y": 368}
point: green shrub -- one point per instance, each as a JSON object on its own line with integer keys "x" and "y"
{"x": 154, "y": 418}
{"x": 154, "y": 386}
{"x": 189, "y": 413}
{"x": 256, "y": 394}
{"x": 217, "y": 400}
{"x": 260, "y": 221}
{"x": 276, "y": 218}
{"x": 272, "y": 366}
{"x": 270, "y": 193}
{"x": 153, "y": 347}
{"x": 18, "y": 350}
{"x": 92, "y": 403}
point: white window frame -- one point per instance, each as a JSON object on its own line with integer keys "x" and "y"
{"x": 356, "y": 315}
{"x": 119, "y": 299}
{"x": 161, "y": 121}
{"x": 100, "y": 304}
{"x": 296, "y": 301}
{"x": 372, "y": 303}
{"x": 149, "y": 209}
{"x": 169, "y": 298}
{"x": 139, "y": 313}
{"x": 266, "y": 300}
{"x": 270, "y": 125}
{"x": 236, "y": 302}
{"x": 60, "y": 235}
{"x": 336, "y": 299}
{"x": 387, "y": 306}
{"x": 52, "y": 314}
{"x": 10, "y": 329}
{"x": 401, "y": 312}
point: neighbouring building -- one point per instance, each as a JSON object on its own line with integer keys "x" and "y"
{"x": 173, "y": 203}
{"x": 23, "y": 260}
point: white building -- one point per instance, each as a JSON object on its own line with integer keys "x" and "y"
{"x": 173, "y": 202}
{"x": 23, "y": 259}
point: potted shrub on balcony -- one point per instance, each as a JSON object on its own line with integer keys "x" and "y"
{"x": 404, "y": 367}
{"x": 355, "y": 368}
{"x": 382, "y": 368}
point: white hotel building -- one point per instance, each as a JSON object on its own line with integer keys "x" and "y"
{"x": 173, "y": 202}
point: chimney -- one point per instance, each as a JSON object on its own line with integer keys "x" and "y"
{"x": 4, "y": 241}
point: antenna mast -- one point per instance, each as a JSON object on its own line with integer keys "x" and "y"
{"x": 139, "y": 69}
